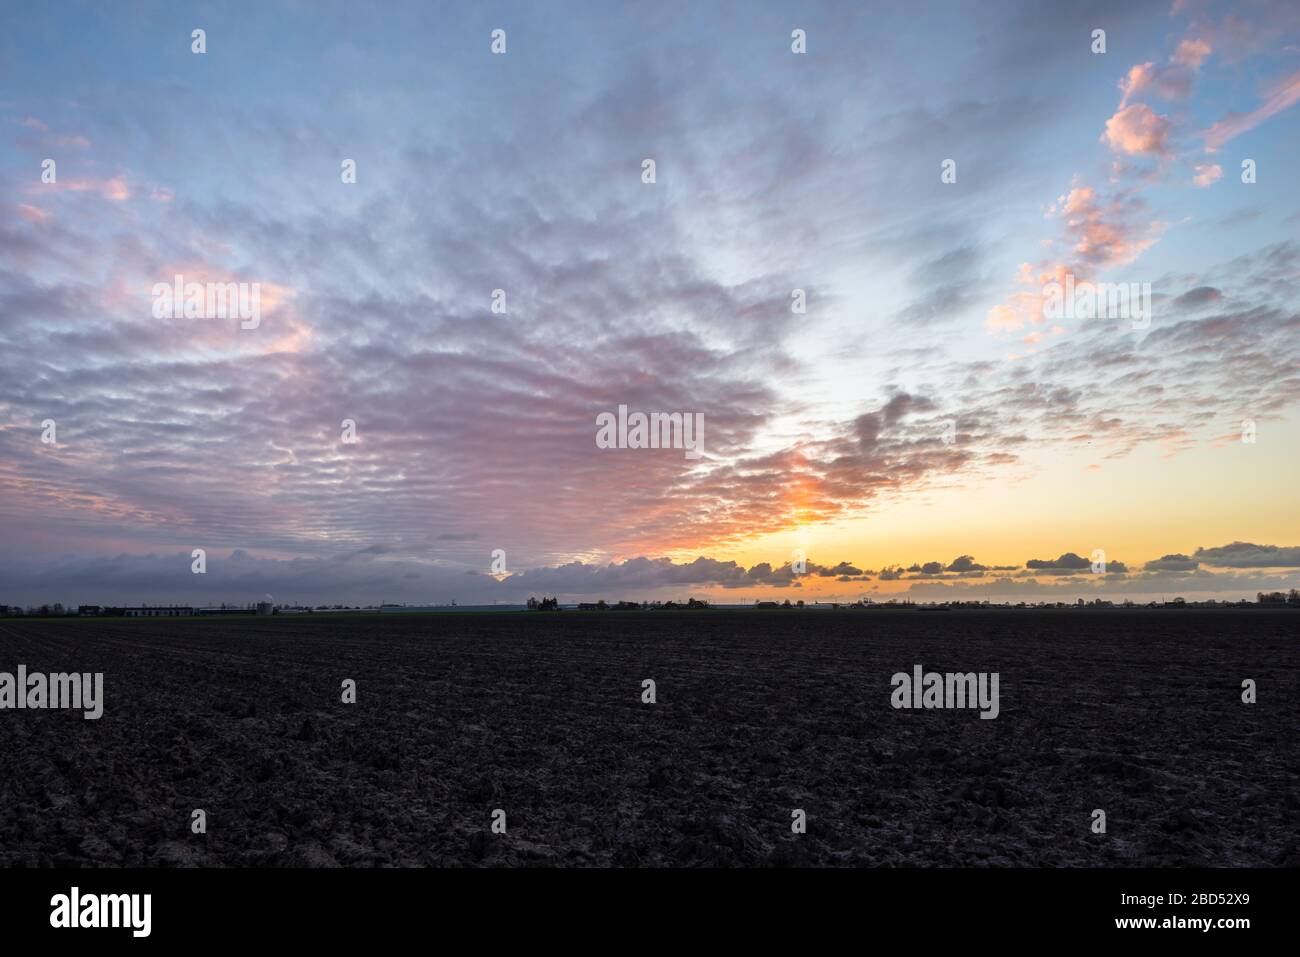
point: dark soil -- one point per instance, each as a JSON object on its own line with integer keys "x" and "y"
{"x": 1138, "y": 713}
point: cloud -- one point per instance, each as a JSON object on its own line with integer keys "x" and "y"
{"x": 1171, "y": 563}
{"x": 964, "y": 566}
{"x": 1191, "y": 53}
{"x": 1137, "y": 130}
{"x": 1070, "y": 563}
{"x": 1098, "y": 233}
{"x": 1206, "y": 174}
{"x": 1198, "y": 298}
{"x": 1143, "y": 587}
{"x": 116, "y": 188}
{"x": 1172, "y": 82}
{"x": 1281, "y": 96}
{"x": 33, "y": 214}
{"x": 1104, "y": 232}
{"x": 1248, "y": 555}
{"x": 843, "y": 569}
{"x": 378, "y": 573}
{"x": 373, "y": 574}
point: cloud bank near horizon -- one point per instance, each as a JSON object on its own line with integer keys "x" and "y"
{"x": 375, "y": 575}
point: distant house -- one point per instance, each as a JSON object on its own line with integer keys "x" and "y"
{"x": 158, "y": 611}
{"x": 767, "y": 604}
{"x": 89, "y": 611}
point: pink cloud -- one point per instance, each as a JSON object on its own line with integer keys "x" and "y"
{"x": 1138, "y": 131}
{"x": 1191, "y": 53}
{"x": 1173, "y": 82}
{"x": 1099, "y": 233}
{"x": 1207, "y": 173}
{"x": 1281, "y": 96}
{"x": 64, "y": 141}
{"x": 1138, "y": 78}
{"x": 116, "y": 189}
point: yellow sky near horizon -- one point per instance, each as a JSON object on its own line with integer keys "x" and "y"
{"x": 1137, "y": 507}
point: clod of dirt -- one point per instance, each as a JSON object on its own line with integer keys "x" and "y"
{"x": 307, "y": 732}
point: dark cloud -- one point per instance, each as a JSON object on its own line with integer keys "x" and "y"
{"x": 1198, "y": 297}
{"x": 1248, "y": 555}
{"x": 1069, "y": 563}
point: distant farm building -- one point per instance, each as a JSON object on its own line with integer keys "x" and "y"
{"x": 158, "y": 611}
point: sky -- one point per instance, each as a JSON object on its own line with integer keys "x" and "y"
{"x": 840, "y": 265}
